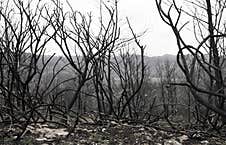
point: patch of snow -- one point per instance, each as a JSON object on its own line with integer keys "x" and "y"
{"x": 183, "y": 138}
{"x": 149, "y": 138}
{"x": 141, "y": 129}
{"x": 45, "y": 132}
{"x": 103, "y": 129}
{"x": 204, "y": 142}
{"x": 41, "y": 139}
{"x": 113, "y": 122}
{"x": 14, "y": 137}
{"x": 172, "y": 142}
{"x": 51, "y": 133}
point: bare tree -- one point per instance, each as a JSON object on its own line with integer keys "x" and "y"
{"x": 23, "y": 63}
{"x": 209, "y": 53}
{"x": 82, "y": 48}
{"x": 93, "y": 57}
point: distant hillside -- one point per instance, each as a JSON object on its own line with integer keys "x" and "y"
{"x": 151, "y": 62}
{"x": 156, "y": 59}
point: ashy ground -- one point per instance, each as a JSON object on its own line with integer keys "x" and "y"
{"x": 111, "y": 133}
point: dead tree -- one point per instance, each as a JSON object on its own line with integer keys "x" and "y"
{"x": 91, "y": 55}
{"x": 23, "y": 42}
{"x": 83, "y": 48}
{"x": 208, "y": 54}
{"x": 166, "y": 72}
{"x": 23, "y": 63}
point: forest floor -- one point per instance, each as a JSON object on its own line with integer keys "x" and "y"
{"x": 112, "y": 133}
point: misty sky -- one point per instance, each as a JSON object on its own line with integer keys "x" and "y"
{"x": 143, "y": 16}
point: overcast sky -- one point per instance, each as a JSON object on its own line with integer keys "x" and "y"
{"x": 143, "y": 15}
